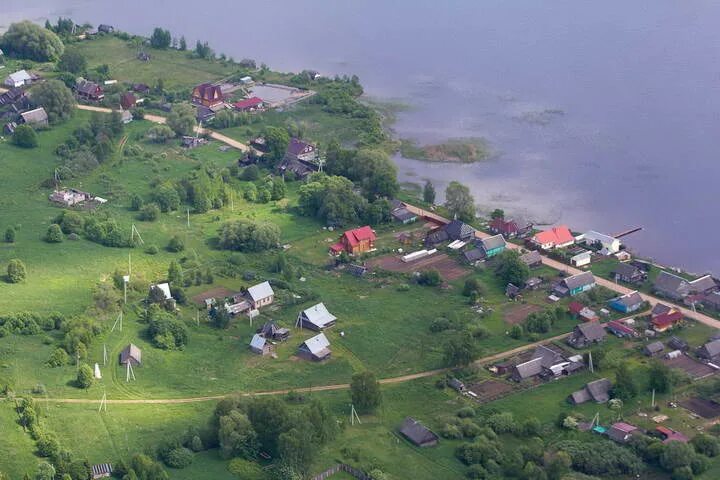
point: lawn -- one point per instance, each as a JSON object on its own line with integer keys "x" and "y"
{"x": 178, "y": 70}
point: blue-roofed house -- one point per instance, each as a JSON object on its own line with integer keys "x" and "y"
{"x": 493, "y": 245}
{"x": 627, "y": 303}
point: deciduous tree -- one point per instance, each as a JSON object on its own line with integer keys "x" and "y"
{"x": 365, "y": 392}
{"x": 460, "y": 202}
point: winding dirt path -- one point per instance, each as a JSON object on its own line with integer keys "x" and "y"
{"x": 320, "y": 388}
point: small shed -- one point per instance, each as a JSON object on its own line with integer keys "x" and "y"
{"x": 316, "y": 348}
{"x": 271, "y": 331}
{"x": 653, "y": 349}
{"x": 101, "y": 470}
{"x": 132, "y": 355}
{"x": 260, "y": 345}
{"x": 621, "y": 432}
{"x": 418, "y": 434}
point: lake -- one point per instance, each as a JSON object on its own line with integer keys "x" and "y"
{"x": 602, "y": 115}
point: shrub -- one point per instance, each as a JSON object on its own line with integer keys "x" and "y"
{"x": 501, "y": 422}
{"x": 58, "y": 358}
{"x": 470, "y": 429}
{"x": 136, "y": 202}
{"x": 451, "y": 431}
{"x": 16, "y": 272}
{"x": 152, "y": 250}
{"x": 176, "y": 244}
{"x": 430, "y": 278}
{"x": 179, "y": 457}
{"x": 85, "y": 376}
{"x": 439, "y": 325}
{"x": 248, "y": 236}
{"x": 466, "y": 412}
{"x": 149, "y": 212}
{"x": 54, "y": 234}
{"x": 10, "y": 235}
{"x": 25, "y": 137}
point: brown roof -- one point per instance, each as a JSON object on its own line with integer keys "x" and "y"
{"x": 417, "y": 433}
{"x": 207, "y": 91}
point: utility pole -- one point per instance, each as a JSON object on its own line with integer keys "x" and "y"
{"x": 129, "y": 373}
{"x": 592, "y": 370}
{"x": 103, "y": 403}
{"x": 188, "y": 218}
{"x": 354, "y": 416}
{"x": 653, "y": 398}
{"x": 104, "y": 354}
{"x": 129, "y": 264}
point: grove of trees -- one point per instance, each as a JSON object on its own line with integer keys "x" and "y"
{"x": 30, "y": 41}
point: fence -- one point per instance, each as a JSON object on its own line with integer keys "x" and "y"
{"x": 341, "y": 467}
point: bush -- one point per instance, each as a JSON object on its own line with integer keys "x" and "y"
{"x": 58, "y": 358}
{"x": 16, "y": 272}
{"x": 25, "y": 137}
{"x": 152, "y": 250}
{"x": 439, "y": 325}
{"x": 246, "y": 470}
{"x": 249, "y": 236}
{"x": 85, "y": 376}
{"x": 149, "y": 212}
{"x": 501, "y": 423}
{"x": 706, "y": 445}
{"x": 466, "y": 412}
{"x": 179, "y": 457}
{"x": 176, "y": 244}
{"x": 136, "y": 202}
{"x": 429, "y": 278}
{"x": 451, "y": 432}
{"x": 10, "y": 235}
{"x": 54, "y": 234}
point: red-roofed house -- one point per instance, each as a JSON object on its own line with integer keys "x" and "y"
{"x": 670, "y": 435}
{"x": 355, "y": 241}
{"x": 666, "y": 321}
{"x": 621, "y": 431}
{"x": 575, "y": 307}
{"x": 621, "y": 330}
{"x": 556, "y": 237}
{"x": 249, "y": 104}
{"x": 207, "y": 95}
{"x": 506, "y": 228}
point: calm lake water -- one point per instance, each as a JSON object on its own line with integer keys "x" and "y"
{"x": 603, "y": 115}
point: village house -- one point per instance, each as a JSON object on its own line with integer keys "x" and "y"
{"x": 300, "y": 169}
{"x": 671, "y": 286}
{"x": 512, "y": 291}
{"x": 18, "y": 79}
{"x": 605, "y": 244}
{"x": 586, "y": 334}
{"x": 400, "y": 212}
{"x": 90, "y": 91}
{"x": 712, "y": 301}
{"x": 355, "y": 242}
{"x": 581, "y": 312}
{"x": 316, "y": 318}
{"x": 132, "y": 355}
{"x": 710, "y": 351}
{"x": 581, "y": 259}
{"x": 207, "y": 95}
{"x": 575, "y": 284}
{"x": 457, "y": 230}
{"x": 545, "y": 362}
{"x": 104, "y": 28}
{"x": 621, "y": 330}
{"x": 101, "y": 470}
{"x": 508, "y": 228}
{"x": 628, "y": 273}
{"x": 531, "y": 259}
{"x": 668, "y": 435}
{"x": 272, "y": 332}
{"x": 621, "y": 432}
{"x": 260, "y": 295}
{"x": 71, "y": 196}
{"x": 598, "y": 391}
{"x": 38, "y": 117}
{"x": 676, "y": 343}
{"x": 418, "y": 434}
{"x": 665, "y": 321}
{"x": 299, "y": 150}
{"x": 251, "y": 104}
{"x": 474, "y": 255}
{"x": 628, "y": 303}
{"x": 128, "y": 100}
{"x": 164, "y": 288}
{"x": 12, "y": 96}
{"x": 140, "y": 88}
{"x": 436, "y": 237}
{"x": 492, "y": 246}
{"x": 556, "y": 237}
{"x": 703, "y": 286}
{"x": 260, "y": 345}
{"x": 653, "y": 349}
{"x": 315, "y": 349}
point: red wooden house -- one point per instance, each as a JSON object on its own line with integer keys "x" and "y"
{"x": 90, "y": 91}
{"x": 666, "y": 321}
{"x": 207, "y": 95}
{"x": 355, "y": 241}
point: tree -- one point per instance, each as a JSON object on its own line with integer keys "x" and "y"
{"x": 149, "y": 212}
{"x": 71, "y": 222}
{"x": 473, "y": 286}
{"x": 176, "y": 244}
{"x": 237, "y": 436}
{"x": 160, "y": 133}
{"x": 10, "y": 235}
{"x": 175, "y": 274}
{"x": 459, "y": 201}
{"x": 365, "y": 392}
{"x": 659, "y": 377}
{"x": 251, "y": 173}
{"x": 625, "y": 387}
{"x": 183, "y": 44}
{"x": 459, "y": 350}
{"x": 296, "y": 448}
{"x": 429, "y": 193}
{"x": 182, "y": 119}
{"x": 246, "y": 470}
{"x": 706, "y": 445}
{"x": 675, "y": 455}
{"x": 72, "y": 61}
{"x": 248, "y": 236}
{"x": 25, "y": 137}
{"x": 497, "y": 213}
{"x": 219, "y": 316}
{"x": 375, "y": 172}
{"x": 511, "y": 269}
{"x": 85, "y": 376}
{"x": 16, "y": 271}
{"x": 54, "y": 234}
{"x": 30, "y": 41}
{"x": 430, "y": 278}
{"x": 160, "y": 38}
{"x": 276, "y": 140}
{"x": 57, "y": 100}
{"x": 45, "y": 471}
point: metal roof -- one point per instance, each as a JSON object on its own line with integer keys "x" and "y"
{"x": 260, "y": 291}
{"x": 579, "y": 280}
{"x": 317, "y": 344}
{"x": 318, "y": 315}
{"x": 258, "y": 341}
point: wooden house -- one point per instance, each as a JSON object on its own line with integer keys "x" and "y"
{"x": 316, "y": 348}
{"x": 494, "y": 245}
{"x": 355, "y": 242}
{"x": 260, "y": 345}
{"x": 260, "y": 295}
{"x": 37, "y": 117}
{"x": 418, "y": 434}
{"x": 132, "y": 355}
{"x": 598, "y": 391}
{"x": 90, "y": 91}
{"x": 628, "y": 273}
{"x": 271, "y": 331}
{"x": 586, "y": 334}
{"x": 207, "y": 95}
{"x": 316, "y": 318}
{"x": 653, "y": 349}
{"x": 556, "y": 237}
{"x": 628, "y": 303}
{"x": 671, "y": 286}
{"x": 531, "y": 259}
{"x": 575, "y": 284}
{"x": 128, "y": 100}
{"x": 621, "y": 432}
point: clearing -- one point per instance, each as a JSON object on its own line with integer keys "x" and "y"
{"x": 448, "y": 268}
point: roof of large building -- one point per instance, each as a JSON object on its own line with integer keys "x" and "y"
{"x": 669, "y": 282}
{"x": 559, "y": 235}
{"x": 317, "y": 344}
{"x": 319, "y": 315}
{"x": 580, "y": 280}
{"x": 417, "y": 432}
{"x": 248, "y": 103}
{"x": 496, "y": 241}
{"x": 260, "y": 291}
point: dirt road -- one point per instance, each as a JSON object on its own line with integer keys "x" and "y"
{"x": 320, "y": 388}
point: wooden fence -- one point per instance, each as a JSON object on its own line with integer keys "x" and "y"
{"x": 341, "y": 467}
